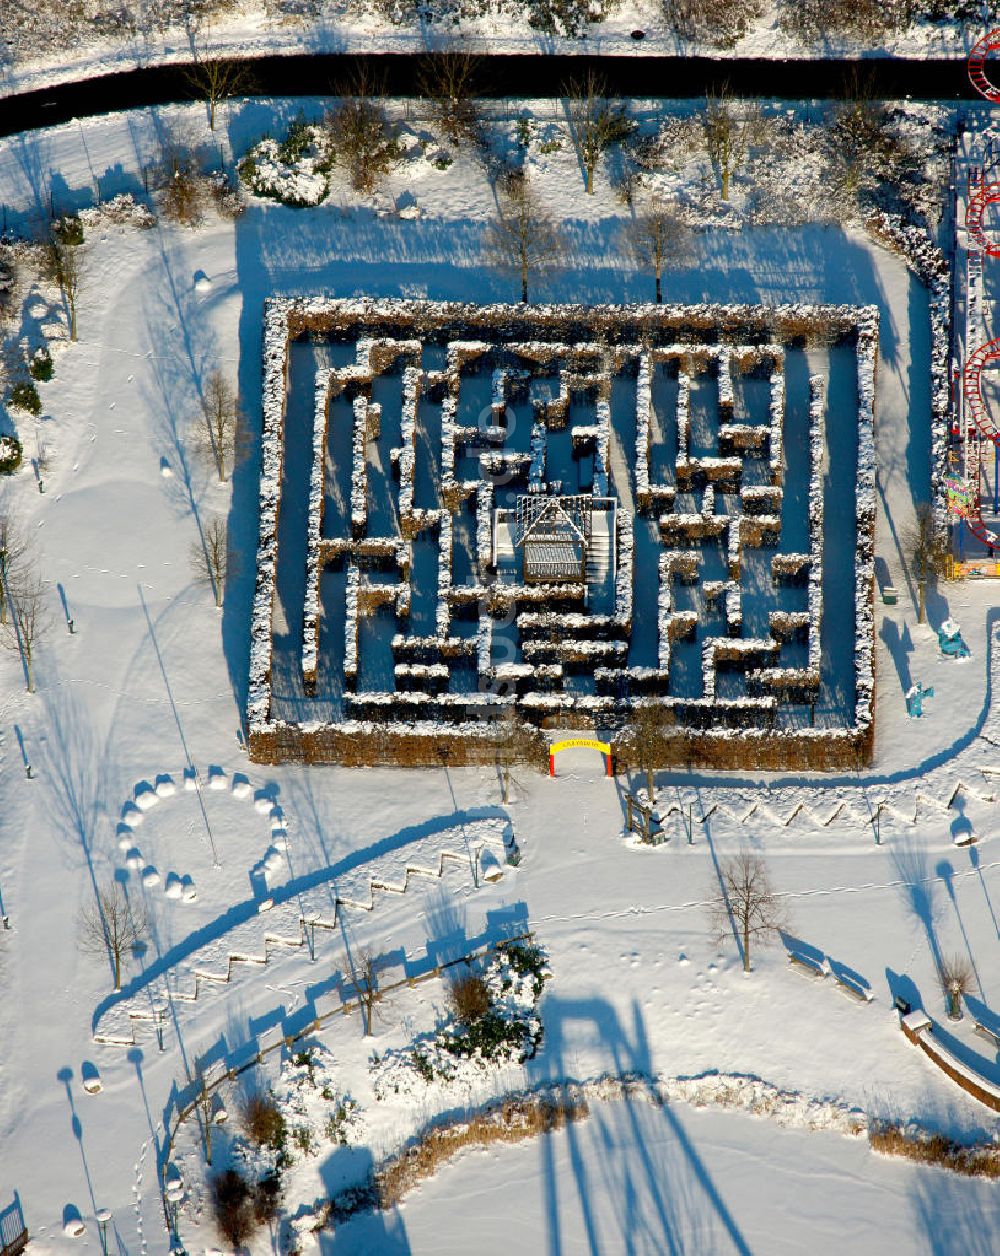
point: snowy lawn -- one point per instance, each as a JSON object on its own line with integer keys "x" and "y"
{"x": 154, "y": 678}
{"x": 649, "y": 1180}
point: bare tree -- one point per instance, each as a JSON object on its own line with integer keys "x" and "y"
{"x": 365, "y": 970}
{"x": 12, "y": 547}
{"x": 926, "y": 547}
{"x": 29, "y": 618}
{"x": 747, "y": 903}
{"x": 448, "y": 80}
{"x": 522, "y": 237}
{"x": 221, "y": 412}
{"x": 956, "y": 979}
{"x": 184, "y": 193}
{"x": 218, "y": 79}
{"x": 648, "y": 723}
{"x": 210, "y": 558}
{"x": 362, "y": 138}
{"x": 62, "y": 266}
{"x": 111, "y": 925}
{"x": 729, "y": 130}
{"x": 514, "y": 744}
{"x": 658, "y": 238}
{"x": 597, "y": 122}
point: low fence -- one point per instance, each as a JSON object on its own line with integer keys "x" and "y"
{"x": 13, "y": 1231}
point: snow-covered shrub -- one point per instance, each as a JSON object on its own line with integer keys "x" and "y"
{"x": 68, "y": 229}
{"x": 122, "y": 210}
{"x": 363, "y": 142}
{"x": 294, "y": 171}
{"x": 228, "y": 198}
{"x": 233, "y": 1207}
{"x": 40, "y": 366}
{"x": 813, "y": 22}
{"x": 182, "y": 199}
{"x": 24, "y": 396}
{"x": 503, "y": 1027}
{"x": 718, "y": 23}
{"x": 10, "y": 454}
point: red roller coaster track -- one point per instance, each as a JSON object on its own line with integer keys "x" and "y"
{"x": 990, "y": 42}
{"x": 981, "y": 194}
{"x": 981, "y": 425}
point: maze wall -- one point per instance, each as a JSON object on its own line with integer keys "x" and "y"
{"x": 703, "y": 435}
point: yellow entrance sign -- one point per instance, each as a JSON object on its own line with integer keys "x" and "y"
{"x": 586, "y": 743}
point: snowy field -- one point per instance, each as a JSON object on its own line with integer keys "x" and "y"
{"x": 153, "y": 682}
{"x": 645, "y": 1180}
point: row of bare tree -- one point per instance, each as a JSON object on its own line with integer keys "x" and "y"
{"x": 24, "y": 615}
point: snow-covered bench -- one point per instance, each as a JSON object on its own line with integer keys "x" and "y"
{"x": 808, "y": 966}
{"x": 992, "y": 1038}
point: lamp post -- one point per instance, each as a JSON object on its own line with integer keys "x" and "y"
{"x": 103, "y": 1216}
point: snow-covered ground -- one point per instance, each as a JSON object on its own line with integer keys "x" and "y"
{"x": 153, "y": 680}
{"x": 649, "y": 1180}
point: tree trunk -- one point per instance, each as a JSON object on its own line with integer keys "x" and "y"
{"x": 921, "y": 600}
{"x": 117, "y": 956}
{"x": 649, "y": 787}
{"x": 30, "y": 671}
{"x": 505, "y": 786}
{"x": 590, "y": 177}
{"x": 746, "y": 946}
{"x": 72, "y": 319}
{"x": 725, "y": 183}
{"x": 211, "y": 113}
{"x": 524, "y": 283}
{"x": 659, "y": 292}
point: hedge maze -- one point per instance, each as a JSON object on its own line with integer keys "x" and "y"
{"x": 522, "y": 518}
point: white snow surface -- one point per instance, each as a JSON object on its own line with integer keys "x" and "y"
{"x": 153, "y": 681}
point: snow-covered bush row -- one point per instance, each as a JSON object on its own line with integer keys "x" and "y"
{"x": 603, "y": 409}
{"x": 643, "y": 433}
{"x": 683, "y": 415}
{"x": 536, "y": 470}
{"x": 359, "y": 465}
{"x": 817, "y": 444}
{"x": 484, "y": 641}
{"x": 930, "y": 265}
{"x": 864, "y": 562}
{"x": 122, "y": 210}
{"x": 726, "y": 397}
{"x": 777, "y": 428}
{"x": 484, "y": 527}
{"x": 351, "y": 621}
{"x": 670, "y": 564}
{"x": 275, "y": 366}
{"x": 623, "y": 574}
{"x": 407, "y": 456}
{"x": 574, "y": 650}
{"x": 445, "y": 542}
{"x": 314, "y": 534}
